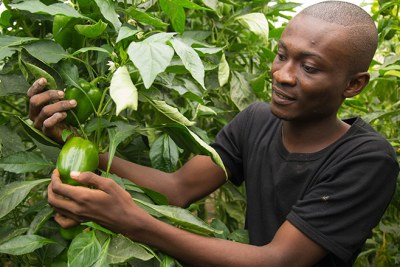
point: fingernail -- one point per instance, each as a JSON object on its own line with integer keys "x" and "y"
{"x": 72, "y": 102}
{"x": 74, "y": 174}
{"x": 42, "y": 81}
{"x": 60, "y": 93}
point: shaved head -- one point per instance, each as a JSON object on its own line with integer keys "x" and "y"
{"x": 360, "y": 29}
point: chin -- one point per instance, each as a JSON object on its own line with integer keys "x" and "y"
{"x": 281, "y": 114}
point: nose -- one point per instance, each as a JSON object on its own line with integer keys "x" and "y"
{"x": 285, "y": 73}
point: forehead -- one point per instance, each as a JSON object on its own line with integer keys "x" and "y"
{"x": 315, "y": 35}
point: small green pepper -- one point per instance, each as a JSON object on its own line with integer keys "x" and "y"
{"x": 77, "y": 154}
{"x": 70, "y": 233}
{"x": 90, "y": 95}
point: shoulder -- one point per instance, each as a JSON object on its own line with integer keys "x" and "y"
{"x": 366, "y": 138}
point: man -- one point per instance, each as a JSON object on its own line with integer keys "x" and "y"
{"x": 316, "y": 185}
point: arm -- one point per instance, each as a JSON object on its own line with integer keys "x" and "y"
{"x": 114, "y": 208}
{"x": 197, "y": 178}
{"x": 47, "y": 110}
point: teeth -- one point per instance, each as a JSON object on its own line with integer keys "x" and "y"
{"x": 282, "y": 96}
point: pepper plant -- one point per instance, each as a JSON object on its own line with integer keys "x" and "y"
{"x": 168, "y": 75}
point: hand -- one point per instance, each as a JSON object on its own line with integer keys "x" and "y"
{"x": 47, "y": 110}
{"x": 106, "y": 204}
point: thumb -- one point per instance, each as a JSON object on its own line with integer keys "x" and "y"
{"x": 92, "y": 179}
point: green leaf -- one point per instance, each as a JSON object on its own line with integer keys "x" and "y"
{"x": 35, "y": 6}
{"x": 91, "y": 31}
{"x": 13, "y": 84}
{"x": 122, "y": 90}
{"x": 8, "y": 42}
{"x": 190, "y": 59}
{"x": 94, "y": 225}
{"x": 36, "y": 134}
{"x": 24, "y": 244}
{"x": 175, "y": 13}
{"x": 126, "y": 32}
{"x": 223, "y": 71}
{"x": 146, "y": 18}
{"x": 170, "y": 112}
{"x": 117, "y": 135}
{"x": 189, "y": 141}
{"x": 23, "y": 162}
{"x": 10, "y": 142}
{"x": 121, "y": 249}
{"x": 181, "y": 217}
{"x": 69, "y": 72}
{"x": 256, "y": 23}
{"x": 11, "y": 195}
{"x": 54, "y": 51}
{"x": 93, "y": 48}
{"x": 40, "y": 219}
{"x": 38, "y": 72}
{"x": 7, "y": 234}
{"x": 240, "y": 91}
{"x": 151, "y": 56}
{"x": 107, "y": 9}
{"x": 164, "y": 154}
{"x": 102, "y": 261}
{"x": 84, "y": 250}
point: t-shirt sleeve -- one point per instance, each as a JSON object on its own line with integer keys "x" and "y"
{"x": 229, "y": 141}
{"x": 348, "y": 200}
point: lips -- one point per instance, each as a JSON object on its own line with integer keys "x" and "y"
{"x": 280, "y": 97}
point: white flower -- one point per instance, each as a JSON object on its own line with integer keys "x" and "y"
{"x": 111, "y": 66}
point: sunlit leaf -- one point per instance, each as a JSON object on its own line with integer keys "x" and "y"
{"x": 123, "y": 91}
{"x": 24, "y": 244}
{"x": 146, "y": 18}
{"x": 190, "y": 59}
{"x": 223, "y": 71}
{"x": 108, "y": 11}
{"x": 151, "y": 56}
{"x": 84, "y": 250}
{"x": 126, "y": 32}
{"x": 170, "y": 112}
{"x": 35, "y": 6}
{"x": 122, "y": 249}
{"x": 255, "y": 22}
{"x": 189, "y": 141}
{"x": 240, "y": 91}
{"x": 181, "y": 217}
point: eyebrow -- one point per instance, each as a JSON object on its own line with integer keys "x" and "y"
{"x": 303, "y": 53}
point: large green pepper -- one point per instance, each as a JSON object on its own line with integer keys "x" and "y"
{"x": 87, "y": 97}
{"x": 77, "y": 154}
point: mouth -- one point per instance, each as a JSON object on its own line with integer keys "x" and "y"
{"x": 281, "y": 97}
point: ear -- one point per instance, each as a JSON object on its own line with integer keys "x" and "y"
{"x": 356, "y": 84}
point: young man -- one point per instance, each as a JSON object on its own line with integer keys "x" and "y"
{"x": 316, "y": 185}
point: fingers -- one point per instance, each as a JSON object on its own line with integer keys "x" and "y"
{"x": 64, "y": 221}
{"x": 37, "y": 87}
{"x": 89, "y": 178}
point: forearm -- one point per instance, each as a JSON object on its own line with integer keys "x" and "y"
{"x": 196, "y": 250}
{"x": 197, "y": 178}
{"x": 141, "y": 175}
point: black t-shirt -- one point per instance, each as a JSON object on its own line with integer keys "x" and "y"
{"x": 334, "y": 196}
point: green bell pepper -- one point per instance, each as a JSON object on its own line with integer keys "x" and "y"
{"x": 77, "y": 154}
{"x": 87, "y": 98}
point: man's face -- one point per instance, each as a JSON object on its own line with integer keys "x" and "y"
{"x": 309, "y": 72}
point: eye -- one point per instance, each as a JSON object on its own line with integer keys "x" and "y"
{"x": 281, "y": 57}
{"x": 309, "y": 69}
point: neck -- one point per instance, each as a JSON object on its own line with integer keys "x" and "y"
{"x": 312, "y": 136}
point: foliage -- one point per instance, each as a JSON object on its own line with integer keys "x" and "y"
{"x": 172, "y": 74}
